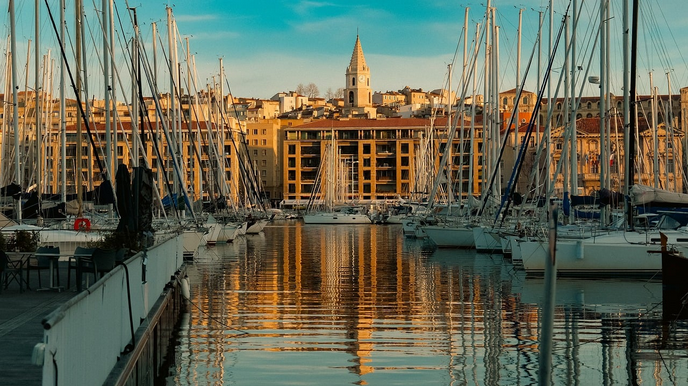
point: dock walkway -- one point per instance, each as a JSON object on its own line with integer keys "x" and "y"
{"x": 21, "y": 328}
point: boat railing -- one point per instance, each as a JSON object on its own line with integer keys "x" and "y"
{"x": 84, "y": 338}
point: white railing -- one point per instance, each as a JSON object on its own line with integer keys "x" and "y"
{"x": 84, "y": 337}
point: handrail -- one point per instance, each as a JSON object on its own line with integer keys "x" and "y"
{"x": 59, "y": 313}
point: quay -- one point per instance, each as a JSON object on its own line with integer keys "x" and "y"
{"x": 21, "y": 328}
{"x": 87, "y": 335}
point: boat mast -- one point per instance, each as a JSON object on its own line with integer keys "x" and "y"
{"x": 518, "y": 77}
{"x": 462, "y": 110}
{"x": 655, "y": 138}
{"x": 15, "y": 111}
{"x": 113, "y": 65}
{"x": 634, "y": 106}
{"x": 77, "y": 161}
{"x": 669, "y": 131}
{"x": 106, "y": 87}
{"x": 38, "y": 110}
{"x": 574, "y": 107}
{"x": 63, "y": 121}
{"x": 173, "y": 108}
{"x": 471, "y": 164}
{"x": 548, "y": 127}
{"x": 604, "y": 161}
{"x": 87, "y": 117}
{"x": 626, "y": 107}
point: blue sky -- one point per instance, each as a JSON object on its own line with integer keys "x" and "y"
{"x": 273, "y": 46}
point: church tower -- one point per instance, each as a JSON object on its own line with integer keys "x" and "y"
{"x": 358, "y": 96}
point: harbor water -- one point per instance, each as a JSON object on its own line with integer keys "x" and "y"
{"x": 360, "y": 304}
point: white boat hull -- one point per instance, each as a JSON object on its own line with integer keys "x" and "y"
{"x": 336, "y": 218}
{"x": 450, "y": 237}
{"x": 620, "y": 253}
{"x": 486, "y": 240}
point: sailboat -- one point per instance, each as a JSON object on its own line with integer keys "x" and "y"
{"x": 332, "y": 210}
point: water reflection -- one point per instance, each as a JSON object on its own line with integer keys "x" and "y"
{"x": 305, "y": 304}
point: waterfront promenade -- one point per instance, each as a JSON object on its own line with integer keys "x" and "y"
{"x": 21, "y": 328}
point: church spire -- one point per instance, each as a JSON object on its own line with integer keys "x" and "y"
{"x": 358, "y": 62}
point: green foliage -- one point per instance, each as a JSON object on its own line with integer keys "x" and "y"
{"x": 23, "y": 241}
{"x": 116, "y": 240}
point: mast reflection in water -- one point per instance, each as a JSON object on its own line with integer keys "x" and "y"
{"x": 314, "y": 305}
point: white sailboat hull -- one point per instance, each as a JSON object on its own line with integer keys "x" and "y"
{"x": 619, "y": 253}
{"x": 450, "y": 236}
{"x": 486, "y": 240}
{"x": 336, "y": 218}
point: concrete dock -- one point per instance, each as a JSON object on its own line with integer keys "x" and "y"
{"x": 20, "y": 324}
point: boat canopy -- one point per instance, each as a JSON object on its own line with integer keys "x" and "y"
{"x": 649, "y": 196}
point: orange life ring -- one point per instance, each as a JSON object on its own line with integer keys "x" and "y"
{"x": 82, "y": 224}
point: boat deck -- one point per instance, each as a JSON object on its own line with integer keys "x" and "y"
{"x": 20, "y": 325}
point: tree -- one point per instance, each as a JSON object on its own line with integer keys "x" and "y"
{"x": 300, "y": 89}
{"x": 329, "y": 94}
{"x": 339, "y": 93}
{"x": 310, "y": 90}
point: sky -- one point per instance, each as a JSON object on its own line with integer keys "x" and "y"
{"x": 272, "y": 46}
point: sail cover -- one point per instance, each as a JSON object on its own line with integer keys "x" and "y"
{"x": 649, "y": 196}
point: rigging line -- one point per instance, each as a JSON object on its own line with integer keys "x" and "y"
{"x": 653, "y": 36}
{"x": 254, "y": 187}
{"x": 673, "y": 38}
{"x": 193, "y": 143}
{"x": 450, "y": 135}
{"x": 161, "y": 117}
{"x": 659, "y": 42}
{"x": 513, "y": 180}
{"x": 209, "y": 130}
{"x": 176, "y": 166}
{"x": 508, "y": 131}
{"x": 128, "y": 55}
{"x": 103, "y": 173}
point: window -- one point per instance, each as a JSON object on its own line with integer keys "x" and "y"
{"x": 351, "y": 97}
{"x": 353, "y": 81}
{"x": 255, "y": 131}
{"x": 292, "y": 149}
{"x": 291, "y": 162}
{"x": 525, "y": 100}
{"x": 255, "y": 152}
{"x": 366, "y": 148}
{"x": 263, "y": 163}
{"x": 263, "y": 173}
{"x": 264, "y": 142}
{"x": 265, "y": 152}
{"x": 264, "y": 132}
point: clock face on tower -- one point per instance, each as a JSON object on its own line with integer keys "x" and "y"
{"x": 361, "y": 79}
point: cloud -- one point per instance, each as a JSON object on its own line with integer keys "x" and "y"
{"x": 215, "y": 35}
{"x": 306, "y": 6}
{"x": 195, "y": 18}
